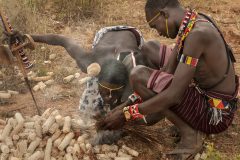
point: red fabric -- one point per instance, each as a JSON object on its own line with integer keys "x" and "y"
{"x": 159, "y": 80}
{"x": 164, "y": 54}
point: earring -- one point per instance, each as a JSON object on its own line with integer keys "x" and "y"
{"x": 167, "y": 27}
{"x": 110, "y": 94}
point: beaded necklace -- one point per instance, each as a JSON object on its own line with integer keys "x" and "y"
{"x": 185, "y": 27}
{"x": 110, "y": 89}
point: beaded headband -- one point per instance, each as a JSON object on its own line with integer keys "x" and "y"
{"x": 154, "y": 18}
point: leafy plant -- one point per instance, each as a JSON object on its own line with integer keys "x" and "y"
{"x": 212, "y": 154}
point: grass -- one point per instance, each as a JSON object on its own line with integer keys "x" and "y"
{"x": 80, "y": 19}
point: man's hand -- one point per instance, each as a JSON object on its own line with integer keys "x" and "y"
{"x": 11, "y": 38}
{"x": 113, "y": 120}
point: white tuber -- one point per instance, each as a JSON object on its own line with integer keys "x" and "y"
{"x": 5, "y": 95}
{"x": 4, "y": 148}
{"x": 23, "y": 135}
{"x": 48, "y": 149}
{"x": 49, "y": 82}
{"x": 44, "y": 78}
{"x": 36, "y": 88}
{"x": 62, "y": 153}
{"x": 14, "y": 158}
{"x": 123, "y": 158}
{"x": 21, "y": 148}
{"x": 67, "y": 124}
{"x": 76, "y": 124}
{"x": 15, "y": 137}
{"x": 42, "y": 85}
{"x": 68, "y": 79}
{"x": 111, "y": 154}
{"x": 102, "y": 157}
{"x": 32, "y": 137}
{"x": 60, "y": 120}
{"x": 36, "y": 156}
{"x": 76, "y": 75}
{"x": 29, "y": 125}
{"x": 49, "y": 122}
{"x": 86, "y": 157}
{"x": 7, "y": 129}
{"x": 38, "y": 128}
{"x": 68, "y": 156}
{"x": 76, "y": 149}
{"x": 66, "y": 141}
{"x": 58, "y": 141}
{"x": 109, "y": 148}
{"x": 53, "y": 128}
{"x": 70, "y": 149}
{"x": 4, "y": 156}
{"x": 88, "y": 146}
{"x": 47, "y": 113}
{"x": 2, "y": 122}
{"x": 72, "y": 142}
{"x": 130, "y": 151}
{"x": 33, "y": 145}
{"x": 54, "y": 152}
{"x": 96, "y": 149}
{"x": 83, "y": 147}
{"x": 82, "y": 138}
{"x": 9, "y": 142}
{"x": 20, "y": 124}
{"x": 122, "y": 153}
{"x": 75, "y": 157}
{"x": 13, "y": 92}
{"x": 56, "y": 134}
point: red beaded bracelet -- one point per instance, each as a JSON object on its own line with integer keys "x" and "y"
{"x": 132, "y": 113}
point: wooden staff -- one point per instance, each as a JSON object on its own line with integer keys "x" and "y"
{"x": 17, "y": 50}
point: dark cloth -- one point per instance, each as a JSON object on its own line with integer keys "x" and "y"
{"x": 194, "y": 109}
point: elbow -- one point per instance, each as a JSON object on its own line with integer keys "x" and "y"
{"x": 175, "y": 99}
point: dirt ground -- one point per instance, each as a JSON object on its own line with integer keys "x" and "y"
{"x": 65, "y": 97}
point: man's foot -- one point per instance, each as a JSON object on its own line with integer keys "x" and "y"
{"x": 188, "y": 147}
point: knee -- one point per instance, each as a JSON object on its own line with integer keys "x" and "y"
{"x": 136, "y": 75}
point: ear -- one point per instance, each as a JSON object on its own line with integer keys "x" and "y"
{"x": 164, "y": 13}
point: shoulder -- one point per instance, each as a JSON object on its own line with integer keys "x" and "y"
{"x": 198, "y": 41}
{"x": 203, "y": 32}
{"x": 151, "y": 43}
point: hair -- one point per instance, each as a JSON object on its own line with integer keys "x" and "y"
{"x": 113, "y": 71}
{"x": 160, "y": 4}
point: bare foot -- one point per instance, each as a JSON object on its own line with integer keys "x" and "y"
{"x": 189, "y": 146}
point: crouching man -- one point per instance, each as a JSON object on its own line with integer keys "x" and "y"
{"x": 196, "y": 90}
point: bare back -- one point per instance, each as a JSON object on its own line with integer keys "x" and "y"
{"x": 213, "y": 63}
{"x": 112, "y": 43}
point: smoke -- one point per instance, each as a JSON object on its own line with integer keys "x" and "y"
{"x": 106, "y": 137}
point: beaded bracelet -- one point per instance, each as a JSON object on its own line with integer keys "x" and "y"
{"x": 135, "y": 98}
{"x": 188, "y": 60}
{"x": 132, "y": 113}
